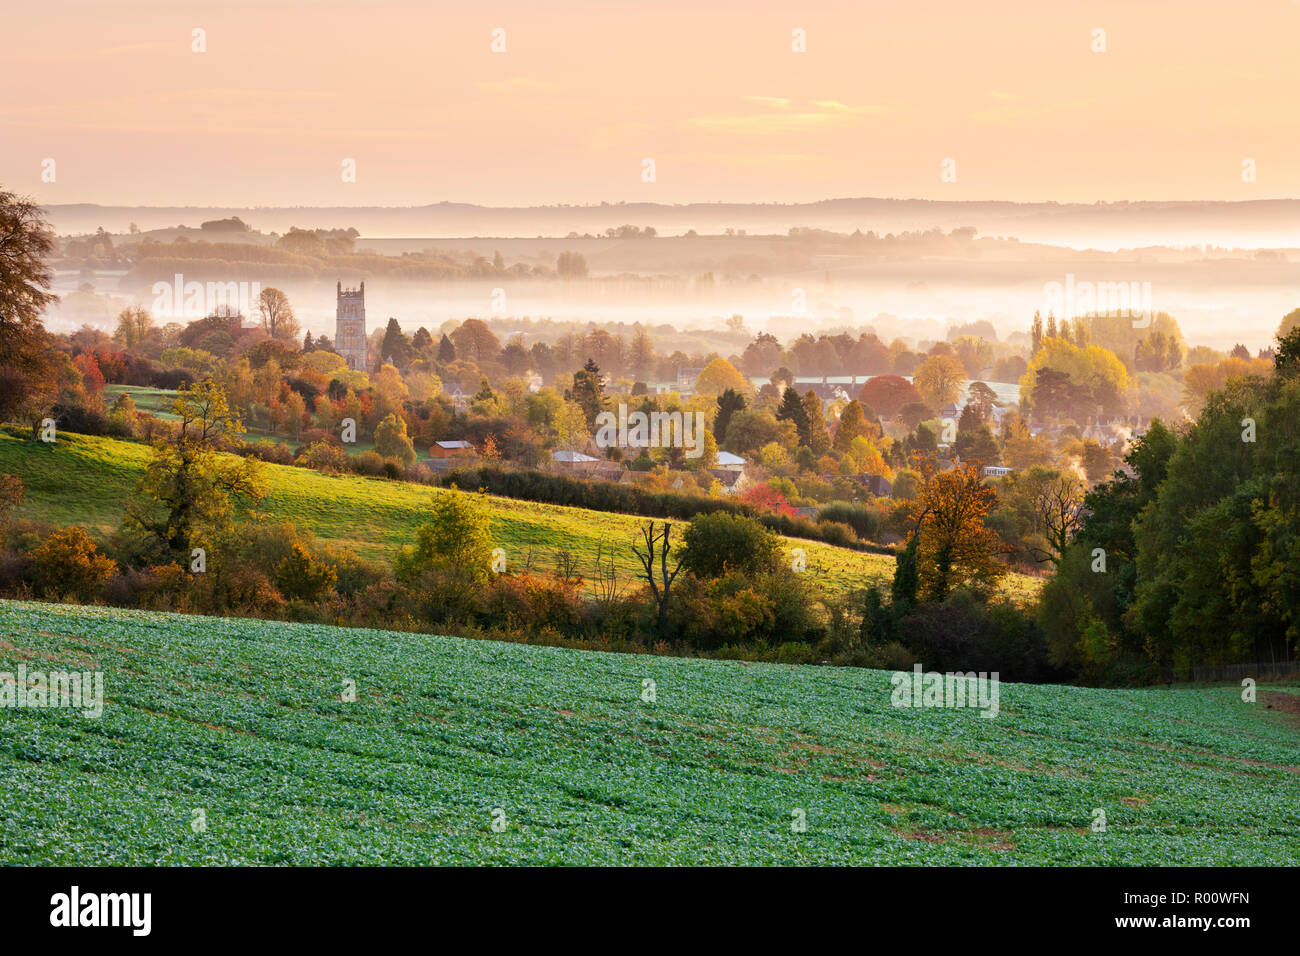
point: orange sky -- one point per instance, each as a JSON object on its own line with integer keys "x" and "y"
{"x": 710, "y": 90}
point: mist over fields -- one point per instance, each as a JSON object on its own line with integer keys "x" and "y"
{"x": 1225, "y": 270}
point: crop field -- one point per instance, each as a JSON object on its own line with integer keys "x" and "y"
{"x": 84, "y": 480}
{"x": 230, "y": 741}
{"x": 155, "y": 401}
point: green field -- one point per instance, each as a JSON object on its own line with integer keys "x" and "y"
{"x": 84, "y": 480}
{"x": 155, "y": 401}
{"x": 242, "y": 720}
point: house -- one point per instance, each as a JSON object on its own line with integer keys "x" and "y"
{"x": 950, "y": 411}
{"x": 451, "y": 449}
{"x": 459, "y": 397}
{"x": 729, "y": 462}
{"x": 878, "y": 485}
{"x": 575, "y": 462}
{"x": 730, "y": 480}
{"x": 997, "y": 471}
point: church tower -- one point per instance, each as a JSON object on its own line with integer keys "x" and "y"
{"x": 350, "y": 326}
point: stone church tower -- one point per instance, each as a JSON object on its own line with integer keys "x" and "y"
{"x": 350, "y": 326}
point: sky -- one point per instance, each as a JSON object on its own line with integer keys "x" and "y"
{"x": 1013, "y": 93}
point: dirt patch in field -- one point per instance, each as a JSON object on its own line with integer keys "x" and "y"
{"x": 1283, "y": 703}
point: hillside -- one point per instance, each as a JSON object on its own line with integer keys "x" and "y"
{"x": 242, "y": 720}
{"x": 84, "y": 480}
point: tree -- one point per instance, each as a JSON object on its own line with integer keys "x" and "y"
{"x": 299, "y": 576}
{"x": 720, "y": 543}
{"x": 29, "y": 365}
{"x": 395, "y": 348}
{"x": 752, "y": 428}
{"x": 588, "y": 391}
{"x": 457, "y": 538}
{"x": 939, "y": 379}
{"x": 133, "y": 327}
{"x": 793, "y": 411}
{"x": 1058, "y": 510}
{"x": 718, "y": 376}
{"x": 819, "y": 439}
{"x": 391, "y": 440}
{"x": 276, "y": 314}
{"x": 657, "y": 543}
{"x": 729, "y": 402}
{"x": 571, "y": 265}
{"x": 25, "y": 243}
{"x": 68, "y": 563}
{"x": 475, "y": 342}
{"x": 853, "y": 423}
{"x": 983, "y": 398}
{"x": 446, "y": 350}
{"x": 954, "y": 547}
{"x": 887, "y": 394}
{"x": 195, "y": 486}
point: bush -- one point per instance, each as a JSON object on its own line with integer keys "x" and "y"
{"x": 324, "y": 456}
{"x": 456, "y": 536}
{"x": 368, "y": 463}
{"x": 719, "y": 544}
{"x": 69, "y": 563}
{"x": 300, "y": 576}
{"x": 866, "y": 522}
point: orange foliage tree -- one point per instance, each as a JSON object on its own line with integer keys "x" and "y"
{"x": 954, "y": 546}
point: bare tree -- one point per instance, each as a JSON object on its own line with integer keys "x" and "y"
{"x": 277, "y": 314}
{"x": 1058, "y": 510}
{"x": 661, "y": 582}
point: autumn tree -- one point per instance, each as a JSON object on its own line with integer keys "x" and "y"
{"x": 853, "y": 423}
{"x": 939, "y": 379}
{"x": 190, "y": 487}
{"x": 28, "y": 370}
{"x": 819, "y": 439}
{"x": 391, "y": 440}
{"x": 718, "y": 376}
{"x": 887, "y": 394}
{"x": 954, "y": 546}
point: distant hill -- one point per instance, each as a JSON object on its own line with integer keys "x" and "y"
{"x": 1266, "y": 222}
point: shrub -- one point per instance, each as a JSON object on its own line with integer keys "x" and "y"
{"x": 69, "y": 563}
{"x": 718, "y": 544}
{"x": 368, "y": 463}
{"x": 300, "y": 576}
{"x": 456, "y": 536}
{"x": 324, "y": 456}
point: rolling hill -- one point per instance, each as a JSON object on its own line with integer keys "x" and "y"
{"x": 84, "y": 480}
{"x": 227, "y": 741}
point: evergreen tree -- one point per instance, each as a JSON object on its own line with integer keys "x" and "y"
{"x": 729, "y": 402}
{"x": 396, "y": 347}
{"x": 792, "y": 410}
{"x": 446, "y": 350}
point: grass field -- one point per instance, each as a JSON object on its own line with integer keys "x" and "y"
{"x": 155, "y": 401}
{"x": 242, "y": 720}
{"x": 84, "y": 480}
